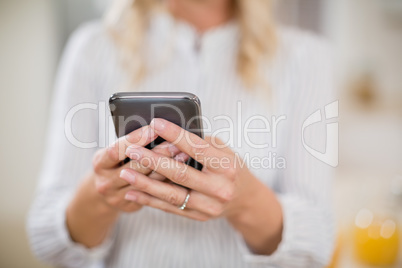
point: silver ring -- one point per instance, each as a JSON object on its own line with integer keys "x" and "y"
{"x": 182, "y": 207}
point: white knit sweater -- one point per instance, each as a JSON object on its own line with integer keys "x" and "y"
{"x": 300, "y": 82}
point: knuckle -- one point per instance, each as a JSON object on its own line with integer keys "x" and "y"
{"x": 181, "y": 176}
{"x": 140, "y": 184}
{"x": 102, "y": 187}
{"x": 216, "y": 142}
{"x": 133, "y": 137}
{"x": 231, "y": 172}
{"x": 145, "y": 200}
{"x": 112, "y": 153}
{"x": 199, "y": 150}
{"x": 162, "y": 148}
{"x": 137, "y": 166}
{"x": 226, "y": 194}
{"x": 171, "y": 198}
{"x": 96, "y": 161}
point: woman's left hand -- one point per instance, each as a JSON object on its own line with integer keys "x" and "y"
{"x": 224, "y": 187}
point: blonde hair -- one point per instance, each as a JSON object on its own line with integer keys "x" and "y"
{"x": 128, "y": 20}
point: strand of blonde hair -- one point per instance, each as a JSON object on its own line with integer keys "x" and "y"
{"x": 128, "y": 20}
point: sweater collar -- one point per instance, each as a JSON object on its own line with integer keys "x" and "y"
{"x": 165, "y": 30}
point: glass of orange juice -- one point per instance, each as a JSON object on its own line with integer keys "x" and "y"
{"x": 376, "y": 238}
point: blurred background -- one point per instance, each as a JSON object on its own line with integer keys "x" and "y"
{"x": 367, "y": 37}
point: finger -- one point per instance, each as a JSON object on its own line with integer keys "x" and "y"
{"x": 191, "y": 144}
{"x": 118, "y": 182}
{"x": 156, "y": 176}
{"x": 164, "y": 148}
{"x": 180, "y": 173}
{"x": 120, "y": 202}
{"x": 148, "y": 200}
{"x": 118, "y": 198}
{"x": 173, "y": 194}
{"x": 113, "y": 155}
{"x": 181, "y": 157}
{"x": 218, "y": 143}
{"x": 111, "y": 180}
{"x": 109, "y": 185}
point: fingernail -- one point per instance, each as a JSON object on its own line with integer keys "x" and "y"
{"x": 157, "y": 124}
{"x": 130, "y": 197}
{"x": 128, "y": 176}
{"x": 134, "y": 152}
{"x": 182, "y": 157}
{"x": 173, "y": 150}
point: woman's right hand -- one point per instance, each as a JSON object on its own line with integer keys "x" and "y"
{"x": 107, "y": 168}
{"x": 100, "y": 198}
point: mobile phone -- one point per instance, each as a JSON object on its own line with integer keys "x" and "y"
{"x": 133, "y": 110}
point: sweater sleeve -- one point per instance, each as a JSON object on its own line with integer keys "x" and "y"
{"x": 304, "y": 186}
{"x": 71, "y": 143}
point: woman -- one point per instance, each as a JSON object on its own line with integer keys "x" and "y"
{"x": 263, "y": 79}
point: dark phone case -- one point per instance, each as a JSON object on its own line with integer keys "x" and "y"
{"x": 132, "y": 110}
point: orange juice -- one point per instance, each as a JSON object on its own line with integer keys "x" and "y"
{"x": 376, "y": 240}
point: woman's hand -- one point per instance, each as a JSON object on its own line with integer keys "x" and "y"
{"x": 225, "y": 187}
{"x": 99, "y": 199}
{"x": 107, "y": 167}
{"x": 220, "y": 189}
